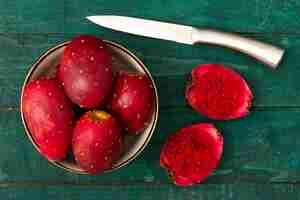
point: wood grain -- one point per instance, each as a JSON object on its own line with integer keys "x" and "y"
{"x": 166, "y": 192}
{"x": 68, "y": 15}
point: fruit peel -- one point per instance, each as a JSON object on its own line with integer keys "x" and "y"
{"x": 97, "y": 141}
{"x": 49, "y": 117}
{"x": 85, "y": 71}
{"x": 132, "y": 101}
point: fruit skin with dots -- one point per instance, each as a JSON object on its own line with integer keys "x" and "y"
{"x": 57, "y": 74}
{"x": 49, "y": 117}
{"x": 85, "y": 71}
{"x": 192, "y": 153}
{"x": 132, "y": 101}
{"x": 218, "y": 92}
{"x": 97, "y": 141}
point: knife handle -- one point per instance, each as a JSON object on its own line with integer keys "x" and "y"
{"x": 266, "y": 53}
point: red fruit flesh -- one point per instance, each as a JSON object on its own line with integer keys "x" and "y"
{"x": 132, "y": 101}
{"x": 49, "y": 117}
{"x": 192, "y": 154}
{"x": 218, "y": 92}
{"x": 86, "y": 71}
{"x": 97, "y": 141}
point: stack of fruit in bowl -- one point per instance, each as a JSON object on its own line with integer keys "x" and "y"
{"x": 112, "y": 105}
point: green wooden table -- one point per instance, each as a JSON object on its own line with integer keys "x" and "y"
{"x": 262, "y": 152}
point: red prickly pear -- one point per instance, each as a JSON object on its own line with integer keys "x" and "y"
{"x": 49, "y": 117}
{"x": 132, "y": 101}
{"x": 86, "y": 71}
{"x": 218, "y": 92}
{"x": 192, "y": 153}
{"x": 97, "y": 141}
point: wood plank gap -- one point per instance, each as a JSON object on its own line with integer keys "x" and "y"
{"x": 124, "y": 184}
{"x": 253, "y": 108}
{"x": 9, "y": 108}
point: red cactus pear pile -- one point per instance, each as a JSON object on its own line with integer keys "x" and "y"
{"x": 84, "y": 76}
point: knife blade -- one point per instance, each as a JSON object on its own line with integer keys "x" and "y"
{"x": 147, "y": 28}
{"x": 266, "y": 53}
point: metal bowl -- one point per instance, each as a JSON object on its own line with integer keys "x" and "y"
{"x": 123, "y": 59}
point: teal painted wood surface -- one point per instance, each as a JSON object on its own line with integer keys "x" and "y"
{"x": 67, "y": 16}
{"x": 262, "y": 152}
{"x": 149, "y": 192}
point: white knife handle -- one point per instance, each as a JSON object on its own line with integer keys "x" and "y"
{"x": 263, "y": 52}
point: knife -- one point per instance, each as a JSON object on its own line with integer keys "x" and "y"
{"x": 266, "y": 53}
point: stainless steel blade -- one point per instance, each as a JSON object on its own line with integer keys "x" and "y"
{"x": 266, "y": 53}
{"x": 148, "y": 28}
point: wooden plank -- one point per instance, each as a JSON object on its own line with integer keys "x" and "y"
{"x": 33, "y": 16}
{"x": 241, "y": 16}
{"x": 170, "y": 65}
{"x": 163, "y": 192}
{"x": 262, "y": 148}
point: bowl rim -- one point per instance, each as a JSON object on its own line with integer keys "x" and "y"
{"x": 60, "y": 164}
